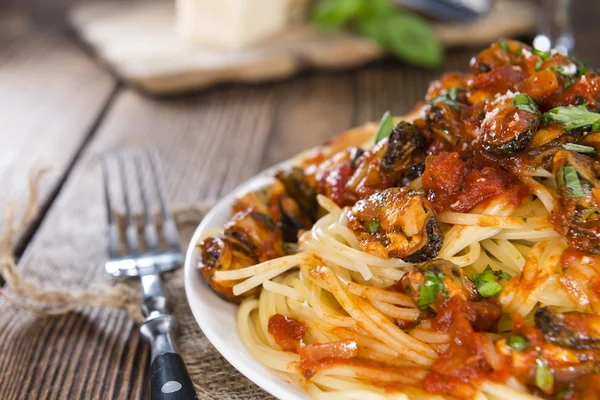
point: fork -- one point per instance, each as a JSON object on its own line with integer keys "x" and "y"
{"x": 170, "y": 379}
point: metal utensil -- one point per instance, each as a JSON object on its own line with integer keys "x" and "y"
{"x": 147, "y": 259}
{"x": 449, "y": 10}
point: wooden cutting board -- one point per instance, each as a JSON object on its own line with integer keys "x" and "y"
{"x": 138, "y": 41}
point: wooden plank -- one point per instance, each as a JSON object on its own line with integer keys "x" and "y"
{"x": 52, "y": 94}
{"x": 207, "y": 144}
{"x": 310, "y": 110}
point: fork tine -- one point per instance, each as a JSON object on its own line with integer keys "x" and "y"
{"x": 131, "y": 234}
{"x": 150, "y": 232}
{"x": 113, "y": 231}
{"x": 169, "y": 227}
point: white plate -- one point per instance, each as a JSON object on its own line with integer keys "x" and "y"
{"x": 217, "y": 318}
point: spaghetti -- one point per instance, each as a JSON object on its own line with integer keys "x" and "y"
{"x": 455, "y": 257}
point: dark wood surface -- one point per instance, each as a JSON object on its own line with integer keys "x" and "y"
{"x": 58, "y": 107}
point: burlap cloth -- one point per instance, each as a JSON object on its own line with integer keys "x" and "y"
{"x": 212, "y": 375}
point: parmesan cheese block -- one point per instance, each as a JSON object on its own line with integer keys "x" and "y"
{"x": 236, "y": 23}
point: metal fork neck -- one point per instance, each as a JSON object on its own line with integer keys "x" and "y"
{"x": 154, "y": 299}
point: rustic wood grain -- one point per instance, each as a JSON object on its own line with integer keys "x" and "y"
{"x": 208, "y": 143}
{"x": 140, "y": 43}
{"x": 52, "y": 95}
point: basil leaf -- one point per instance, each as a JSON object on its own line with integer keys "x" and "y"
{"x": 573, "y": 117}
{"x": 486, "y": 283}
{"x": 544, "y": 379}
{"x": 448, "y": 98}
{"x": 405, "y": 35}
{"x": 579, "y": 148}
{"x": 517, "y": 342}
{"x": 431, "y": 287}
{"x": 373, "y": 226}
{"x": 523, "y": 102}
{"x": 385, "y": 127}
{"x": 335, "y": 14}
{"x": 572, "y": 181}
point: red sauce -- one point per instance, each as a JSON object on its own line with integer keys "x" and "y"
{"x": 450, "y": 184}
{"x": 320, "y": 355}
{"x": 482, "y": 315}
{"x": 464, "y": 364}
{"x": 500, "y": 80}
{"x": 287, "y": 331}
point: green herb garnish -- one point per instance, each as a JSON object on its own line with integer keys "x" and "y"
{"x": 486, "y": 283}
{"x": 431, "y": 287}
{"x": 588, "y": 213}
{"x": 572, "y": 181}
{"x": 545, "y": 55}
{"x": 543, "y": 376}
{"x": 503, "y": 275}
{"x": 517, "y": 342}
{"x": 449, "y": 98}
{"x": 373, "y": 226}
{"x": 504, "y": 45}
{"x": 519, "y": 51}
{"x": 573, "y": 117}
{"x": 579, "y": 148}
{"x": 385, "y": 127}
{"x": 523, "y": 102}
{"x": 538, "y": 64}
{"x": 404, "y": 34}
{"x": 582, "y": 68}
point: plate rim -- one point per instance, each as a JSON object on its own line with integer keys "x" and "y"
{"x": 277, "y": 389}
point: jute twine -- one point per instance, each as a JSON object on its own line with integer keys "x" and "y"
{"x": 214, "y": 378}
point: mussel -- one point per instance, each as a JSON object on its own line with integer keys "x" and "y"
{"x": 578, "y": 215}
{"x": 399, "y": 223}
{"x": 249, "y": 238}
{"x": 587, "y": 173}
{"x": 455, "y": 282}
{"x": 573, "y": 330}
{"x": 404, "y": 141}
{"x": 508, "y": 128}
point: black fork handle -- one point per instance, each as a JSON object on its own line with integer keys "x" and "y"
{"x": 170, "y": 379}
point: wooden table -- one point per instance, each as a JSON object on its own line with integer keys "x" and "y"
{"x": 59, "y": 107}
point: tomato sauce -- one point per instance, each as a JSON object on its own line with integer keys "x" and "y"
{"x": 471, "y": 356}
{"x": 320, "y": 355}
{"x": 450, "y": 184}
{"x": 287, "y": 331}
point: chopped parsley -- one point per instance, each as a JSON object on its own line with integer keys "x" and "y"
{"x": 504, "y": 275}
{"x": 545, "y": 55}
{"x": 544, "y": 379}
{"x": 503, "y": 45}
{"x": 519, "y": 51}
{"x": 448, "y": 98}
{"x": 434, "y": 284}
{"x": 579, "y": 148}
{"x": 572, "y": 181}
{"x": 373, "y": 225}
{"x": 517, "y": 342}
{"x": 538, "y": 64}
{"x": 385, "y": 127}
{"x": 525, "y": 103}
{"x": 588, "y": 213}
{"x": 486, "y": 283}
